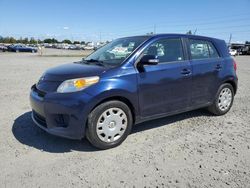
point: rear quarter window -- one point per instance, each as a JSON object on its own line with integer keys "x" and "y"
{"x": 198, "y": 49}
{"x": 202, "y": 49}
{"x": 212, "y": 50}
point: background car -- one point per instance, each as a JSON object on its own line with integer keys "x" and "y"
{"x": 233, "y": 52}
{"x": 21, "y": 48}
{"x": 246, "y": 50}
{"x": 89, "y": 47}
{"x": 74, "y": 47}
{"x": 3, "y": 48}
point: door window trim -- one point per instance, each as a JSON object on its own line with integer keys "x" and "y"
{"x": 183, "y": 45}
{"x": 203, "y": 40}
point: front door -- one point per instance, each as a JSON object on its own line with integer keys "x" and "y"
{"x": 165, "y": 87}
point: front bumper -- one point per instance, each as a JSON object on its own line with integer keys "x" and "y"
{"x": 60, "y": 114}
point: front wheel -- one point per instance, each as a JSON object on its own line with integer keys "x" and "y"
{"x": 223, "y": 101}
{"x": 109, "y": 124}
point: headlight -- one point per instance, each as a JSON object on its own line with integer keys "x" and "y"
{"x": 77, "y": 84}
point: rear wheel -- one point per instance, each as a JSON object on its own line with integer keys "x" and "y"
{"x": 223, "y": 101}
{"x": 109, "y": 124}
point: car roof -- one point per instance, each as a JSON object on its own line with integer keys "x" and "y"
{"x": 220, "y": 44}
{"x": 175, "y": 35}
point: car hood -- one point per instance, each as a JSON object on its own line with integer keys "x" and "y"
{"x": 71, "y": 71}
{"x": 53, "y": 77}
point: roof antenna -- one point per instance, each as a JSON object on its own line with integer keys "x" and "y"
{"x": 195, "y": 31}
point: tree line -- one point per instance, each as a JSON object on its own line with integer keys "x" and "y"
{"x": 26, "y": 40}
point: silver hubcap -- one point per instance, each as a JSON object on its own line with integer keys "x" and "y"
{"x": 225, "y": 99}
{"x": 111, "y": 125}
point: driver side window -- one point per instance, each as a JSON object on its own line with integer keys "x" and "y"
{"x": 166, "y": 50}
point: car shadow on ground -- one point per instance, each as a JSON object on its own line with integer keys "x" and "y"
{"x": 169, "y": 119}
{"x": 26, "y": 132}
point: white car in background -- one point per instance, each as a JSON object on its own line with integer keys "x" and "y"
{"x": 3, "y": 48}
{"x": 233, "y": 52}
{"x": 89, "y": 47}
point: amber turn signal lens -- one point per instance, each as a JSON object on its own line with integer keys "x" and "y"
{"x": 80, "y": 83}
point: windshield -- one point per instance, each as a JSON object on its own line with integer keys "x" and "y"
{"x": 115, "y": 52}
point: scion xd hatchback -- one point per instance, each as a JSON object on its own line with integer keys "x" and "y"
{"x": 131, "y": 80}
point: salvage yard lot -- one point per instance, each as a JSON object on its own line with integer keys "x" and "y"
{"x": 186, "y": 150}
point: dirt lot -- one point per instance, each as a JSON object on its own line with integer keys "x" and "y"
{"x": 193, "y": 149}
{"x": 51, "y": 52}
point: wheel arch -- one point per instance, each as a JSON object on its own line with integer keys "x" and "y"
{"x": 122, "y": 99}
{"x": 231, "y": 82}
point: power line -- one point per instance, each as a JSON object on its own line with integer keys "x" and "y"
{"x": 206, "y": 23}
{"x": 148, "y": 28}
{"x": 184, "y": 23}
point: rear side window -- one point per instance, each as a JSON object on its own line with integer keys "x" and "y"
{"x": 166, "y": 50}
{"x": 198, "y": 49}
{"x": 212, "y": 50}
{"x": 201, "y": 49}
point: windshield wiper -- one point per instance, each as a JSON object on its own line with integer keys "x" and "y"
{"x": 94, "y": 61}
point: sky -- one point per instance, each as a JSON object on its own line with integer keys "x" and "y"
{"x": 95, "y": 20}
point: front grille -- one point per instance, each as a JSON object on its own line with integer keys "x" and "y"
{"x": 39, "y": 92}
{"x": 40, "y": 119}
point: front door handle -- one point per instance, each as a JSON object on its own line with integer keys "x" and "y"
{"x": 186, "y": 72}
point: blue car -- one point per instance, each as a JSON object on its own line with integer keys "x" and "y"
{"x": 21, "y": 48}
{"x": 132, "y": 80}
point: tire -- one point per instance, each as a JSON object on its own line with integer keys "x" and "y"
{"x": 105, "y": 121}
{"x": 32, "y": 51}
{"x": 218, "y": 107}
{"x": 17, "y": 51}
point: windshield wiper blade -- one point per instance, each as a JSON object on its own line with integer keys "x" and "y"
{"x": 94, "y": 61}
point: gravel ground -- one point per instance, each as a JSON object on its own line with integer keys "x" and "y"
{"x": 192, "y": 149}
{"x": 51, "y": 52}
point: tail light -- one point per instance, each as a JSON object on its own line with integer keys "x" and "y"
{"x": 235, "y": 65}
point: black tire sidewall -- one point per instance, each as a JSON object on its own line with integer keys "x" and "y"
{"x": 92, "y": 123}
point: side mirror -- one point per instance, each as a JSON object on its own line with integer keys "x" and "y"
{"x": 149, "y": 60}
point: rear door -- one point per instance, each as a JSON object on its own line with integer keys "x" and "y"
{"x": 165, "y": 87}
{"x": 206, "y": 65}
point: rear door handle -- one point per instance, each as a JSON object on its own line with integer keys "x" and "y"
{"x": 186, "y": 72}
{"x": 218, "y": 67}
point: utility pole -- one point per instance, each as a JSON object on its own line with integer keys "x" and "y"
{"x": 72, "y": 39}
{"x": 100, "y": 36}
{"x": 230, "y": 38}
{"x": 154, "y": 29}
